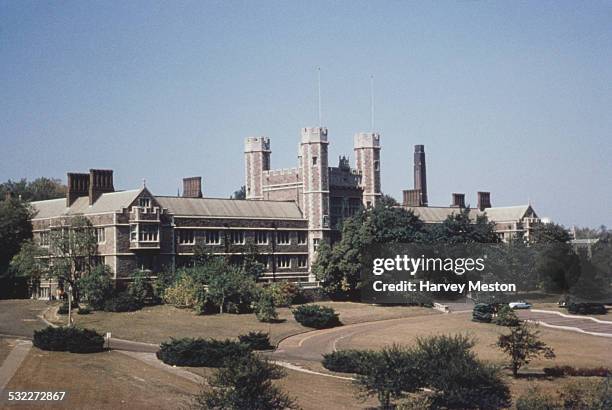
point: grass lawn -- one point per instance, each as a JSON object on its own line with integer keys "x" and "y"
{"x": 108, "y": 380}
{"x": 159, "y": 323}
{"x": 574, "y": 349}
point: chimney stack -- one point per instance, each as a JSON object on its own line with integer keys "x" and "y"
{"x": 192, "y": 187}
{"x": 78, "y": 185}
{"x": 8, "y": 195}
{"x": 100, "y": 182}
{"x": 420, "y": 174}
{"x": 484, "y": 200}
{"x": 458, "y": 200}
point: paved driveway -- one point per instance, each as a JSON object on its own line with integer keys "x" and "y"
{"x": 19, "y": 317}
{"x": 581, "y": 324}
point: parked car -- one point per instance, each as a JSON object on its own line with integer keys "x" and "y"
{"x": 587, "y": 308}
{"x": 521, "y": 304}
{"x": 482, "y": 312}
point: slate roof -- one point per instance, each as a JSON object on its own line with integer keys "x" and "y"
{"x": 437, "y": 214}
{"x": 108, "y": 202}
{"x": 217, "y": 207}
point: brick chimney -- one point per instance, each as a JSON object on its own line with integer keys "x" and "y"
{"x": 458, "y": 200}
{"x": 192, "y": 187}
{"x": 100, "y": 182}
{"x": 420, "y": 173}
{"x": 8, "y": 195}
{"x": 78, "y": 185}
{"x": 484, "y": 200}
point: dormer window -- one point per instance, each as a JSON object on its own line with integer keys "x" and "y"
{"x": 144, "y": 202}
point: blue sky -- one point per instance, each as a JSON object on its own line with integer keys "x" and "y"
{"x": 510, "y": 97}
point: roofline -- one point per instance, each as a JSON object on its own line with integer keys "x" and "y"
{"x": 226, "y": 199}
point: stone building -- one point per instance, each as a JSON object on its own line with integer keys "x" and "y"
{"x": 510, "y": 221}
{"x": 137, "y": 230}
{"x": 325, "y": 194}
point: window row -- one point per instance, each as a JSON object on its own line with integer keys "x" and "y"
{"x": 236, "y": 237}
{"x": 144, "y": 233}
{"x": 98, "y": 233}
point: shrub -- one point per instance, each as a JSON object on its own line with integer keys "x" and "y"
{"x": 164, "y": 280}
{"x": 245, "y": 383}
{"x": 63, "y": 309}
{"x": 256, "y": 340}
{"x": 264, "y": 308}
{"x": 348, "y": 361}
{"x": 561, "y": 371}
{"x": 69, "y": 339}
{"x": 506, "y": 316}
{"x": 140, "y": 288}
{"x": 200, "y": 352}
{"x": 122, "y": 302}
{"x": 283, "y": 293}
{"x": 184, "y": 293}
{"x": 316, "y": 316}
{"x": 83, "y": 311}
{"x": 96, "y": 287}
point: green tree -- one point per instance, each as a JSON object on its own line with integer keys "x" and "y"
{"x": 339, "y": 268}
{"x": 72, "y": 249}
{"x": 523, "y": 344}
{"x": 264, "y": 307}
{"x": 239, "y": 194}
{"x": 31, "y": 262}
{"x": 458, "y": 228}
{"x": 546, "y": 233}
{"x": 389, "y": 374}
{"x": 37, "y": 190}
{"x": 15, "y": 228}
{"x": 96, "y": 287}
{"x": 231, "y": 289}
{"x": 250, "y": 261}
{"x": 245, "y": 383}
{"x": 141, "y": 287}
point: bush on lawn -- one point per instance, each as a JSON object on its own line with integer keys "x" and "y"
{"x": 63, "y": 309}
{"x": 200, "y": 352}
{"x": 83, "y": 311}
{"x": 506, "y": 316}
{"x": 316, "y": 316}
{"x": 96, "y": 287}
{"x": 256, "y": 340}
{"x": 348, "y": 361}
{"x": 122, "y": 302}
{"x": 69, "y": 339}
{"x": 264, "y": 308}
{"x": 141, "y": 288}
{"x": 283, "y": 293}
{"x": 561, "y": 371}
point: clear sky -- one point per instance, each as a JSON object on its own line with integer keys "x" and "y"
{"x": 509, "y": 97}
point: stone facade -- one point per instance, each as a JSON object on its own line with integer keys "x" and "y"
{"x": 326, "y": 195}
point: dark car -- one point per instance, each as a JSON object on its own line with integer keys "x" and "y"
{"x": 587, "y": 308}
{"x": 483, "y": 312}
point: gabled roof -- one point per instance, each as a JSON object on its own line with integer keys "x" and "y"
{"x": 107, "y": 202}
{"x": 217, "y": 207}
{"x": 437, "y": 214}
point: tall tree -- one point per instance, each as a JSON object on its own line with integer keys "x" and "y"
{"x": 523, "y": 344}
{"x": 37, "y": 190}
{"x": 15, "y": 227}
{"x": 458, "y": 228}
{"x": 72, "y": 249}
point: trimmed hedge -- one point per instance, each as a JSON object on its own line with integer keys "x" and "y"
{"x": 561, "y": 371}
{"x": 316, "y": 316}
{"x": 83, "y": 311}
{"x": 348, "y": 361}
{"x": 200, "y": 352}
{"x": 68, "y": 339}
{"x": 256, "y": 340}
{"x": 122, "y": 302}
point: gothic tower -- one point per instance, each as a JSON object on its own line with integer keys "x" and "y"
{"x": 367, "y": 162}
{"x": 257, "y": 159}
{"x": 315, "y": 179}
